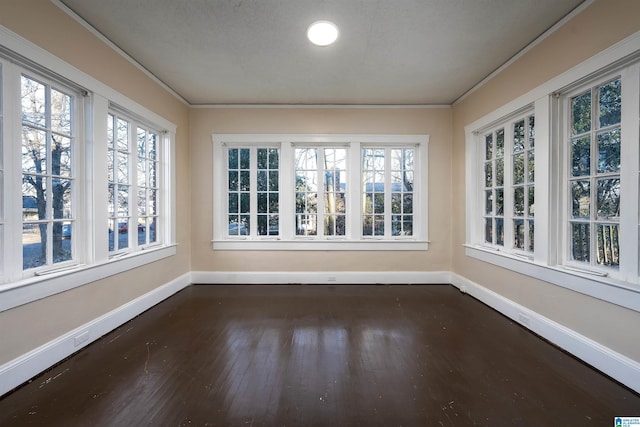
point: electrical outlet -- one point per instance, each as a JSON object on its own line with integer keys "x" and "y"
{"x": 81, "y": 338}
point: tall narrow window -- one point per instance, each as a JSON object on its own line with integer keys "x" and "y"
{"x": 494, "y": 187}
{"x": 523, "y": 183}
{"x": 594, "y": 175}
{"x": 47, "y": 174}
{"x": 253, "y": 178}
{"x": 119, "y": 166}
{"x": 268, "y": 191}
{"x": 134, "y": 165}
{"x": 306, "y": 191}
{"x": 335, "y": 187}
{"x": 387, "y": 185}
{"x": 148, "y": 190}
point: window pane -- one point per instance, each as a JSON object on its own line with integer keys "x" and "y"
{"x": 488, "y": 201}
{"x": 61, "y": 190}
{"x": 531, "y": 167}
{"x": 531, "y": 201}
{"x": 233, "y": 158}
{"x": 518, "y": 136}
{"x": 518, "y": 168}
{"x": 33, "y": 102}
{"x": 34, "y": 150}
{"x": 610, "y": 101}
{"x": 61, "y": 241}
{"x": 500, "y": 143}
{"x": 581, "y": 113}
{"x": 499, "y": 202}
{"x": 245, "y": 158}
{"x": 60, "y": 112}
{"x": 580, "y": 241}
{"x": 500, "y": 231}
{"x": 34, "y": 245}
{"x": 34, "y": 202}
{"x": 609, "y": 151}
{"x": 518, "y": 201}
{"x": 61, "y": 155}
{"x": 532, "y": 131}
{"x": 518, "y": 234}
{"x": 531, "y": 236}
{"x": 500, "y": 172}
{"x": 581, "y": 156}
{"x": 488, "y": 230}
{"x": 608, "y": 248}
{"x": 488, "y": 174}
{"x": 122, "y": 134}
{"x": 488, "y": 147}
{"x": 123, "y": 167}
{"x": 581, "y": 199}
{"x": 608, "y": 198}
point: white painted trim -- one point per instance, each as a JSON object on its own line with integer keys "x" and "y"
{"x": 22, "y": 368}
{"x": 116, "y": 49}
{"x": 601, "y": 287}
{"x": 321, "y": 277}
{"x": 613, "y": 364}
{"x": 626, "y": 48}
{"x": 325, "y": 106}
{"x": 320, "y": 245}
{"x": 526, "y": 49}
{"x": 22, "y": 292}
{"x": 38, "y": 55}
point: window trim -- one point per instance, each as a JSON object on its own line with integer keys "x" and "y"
{"x": 287, "y": 143}
{"x": 545, "y": 265}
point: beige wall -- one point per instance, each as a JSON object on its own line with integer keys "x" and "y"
{"x": 432, "y": 121}
{"x": 29, "y": 326}
{"x": 601, "y": 25}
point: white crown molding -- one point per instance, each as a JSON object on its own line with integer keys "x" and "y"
{"x": 325, "y": 106}
{"x": 117, "y": 49}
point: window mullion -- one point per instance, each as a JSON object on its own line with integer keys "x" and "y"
{"x": 544, "y": 175}
{"x": 387, "y": 193}
{"x": 508, "y": 186}
{"x": 286, "y": 191}
{"x": 253, "y": 197}
{"x": 354, "y": 191}
{"x": 629, "y": 178}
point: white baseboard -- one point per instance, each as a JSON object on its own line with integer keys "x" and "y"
{"x": 25, "y": 367}
{"x": 321, "y": 277}
{"x": 613, "y": 364}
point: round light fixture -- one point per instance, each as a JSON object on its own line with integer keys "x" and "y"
{"x": 322, "y": 33}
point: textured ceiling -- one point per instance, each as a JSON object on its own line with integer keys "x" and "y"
{"x": 256, "y": 51}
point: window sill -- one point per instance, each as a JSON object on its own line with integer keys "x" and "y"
{"x": 604, "y": 288}
{"x": 321, "y": 245}
{"x": 38, "y": 287}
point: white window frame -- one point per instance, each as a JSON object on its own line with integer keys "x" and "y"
{"x": 550, "y": 262}
{"x": 133, "y": 178}
{"x": 287, "y": 240}
{"x": 92, "y": 260}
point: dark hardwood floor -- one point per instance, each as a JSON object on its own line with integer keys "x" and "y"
{"x": 320, "y": 356}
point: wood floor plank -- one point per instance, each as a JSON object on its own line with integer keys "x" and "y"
{"x": 320, "y": 356}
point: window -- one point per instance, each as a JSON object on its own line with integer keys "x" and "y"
{"x": 508, "y": 190}
{"x": 253, "y": 182}
{"x": 320, "y": 192}
{"x": 387, "y": 190}
{"x": 48, "y": 178}
{"x": 321, "y": 201}
{"x": 553, "y": 188}
{"x": 133, "y": 167}
{"x": 74, "y": 184}
{"x": 594, "y": 143}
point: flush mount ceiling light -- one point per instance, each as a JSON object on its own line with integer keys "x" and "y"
{"x": 322, "y": 33}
